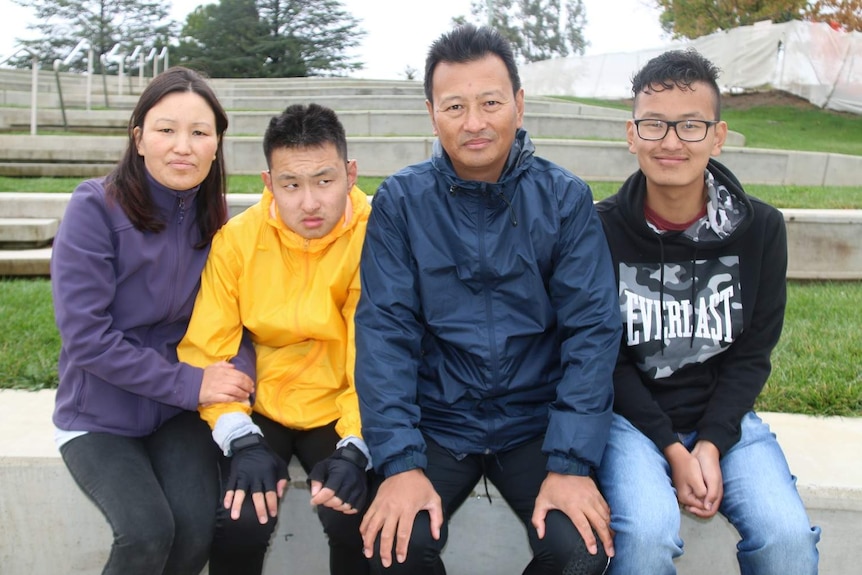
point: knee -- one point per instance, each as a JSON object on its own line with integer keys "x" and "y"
{"x": 340, "y": 528}
{"x": 650, "y": 532}
{"x": 423, "y": 551}
{"x": 780, "y": 551}
{"x": 784, "y": 544}
{"x": 244, "y": 533}
{"x": 646, "y": 542}
{"x": 148, "y": 539}
{"x": 563, "y": 550}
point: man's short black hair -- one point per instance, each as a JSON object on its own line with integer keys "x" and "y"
{"x": 677, "y": 69}
{"x": 467, "y": 43}
{"x": 301, "y": 126}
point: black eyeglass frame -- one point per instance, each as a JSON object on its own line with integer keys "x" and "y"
{"x": 668, "y": 125}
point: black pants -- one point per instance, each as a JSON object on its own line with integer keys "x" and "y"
{"x": 239, "y": 546}
{"x": 517, "y": 474}
{"x": 157, "y": 493}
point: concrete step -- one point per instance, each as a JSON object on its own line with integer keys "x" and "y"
{"x": 55, "y": 169}
{"x": 27, "y": 262}
{"x": 27, "y": 232}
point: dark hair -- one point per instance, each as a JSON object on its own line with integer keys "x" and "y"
{"x": 301, "y": 126}
{"x": 677, "y": 69}
{"x": 127, "y": 182}
{"x": 467, "y": 43}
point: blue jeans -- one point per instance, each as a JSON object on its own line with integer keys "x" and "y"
{"x": 760, "y": 501}
{"x": 157, "y": 492}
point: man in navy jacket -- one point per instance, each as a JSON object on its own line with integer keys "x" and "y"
{"x": 487, "y": 329}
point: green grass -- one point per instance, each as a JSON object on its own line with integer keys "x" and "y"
{"x": 816, "y": 367}
{"x": 29, "y": 342}
{"x": 245, "y": 184}
{"x": 805, "y": 197}
{"x": 785, "y": 128}
{"x": 801, "y": 197}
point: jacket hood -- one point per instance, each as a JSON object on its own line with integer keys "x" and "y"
{"x": 357, "y": 209}
{"x": 729, "y": 210}
{"x": 520, "y": 153}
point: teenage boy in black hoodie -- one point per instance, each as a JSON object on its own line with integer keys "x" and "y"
{"x": 701, "y": 273}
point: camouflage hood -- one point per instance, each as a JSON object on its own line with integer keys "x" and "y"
{"x": 728, "y": 209}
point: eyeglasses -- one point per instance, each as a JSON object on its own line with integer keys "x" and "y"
{"x": 686, "y": 130}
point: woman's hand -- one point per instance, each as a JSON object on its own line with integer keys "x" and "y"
{"x": 224, "y": 383}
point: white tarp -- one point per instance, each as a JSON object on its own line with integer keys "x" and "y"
{"x": 808, "y": 59}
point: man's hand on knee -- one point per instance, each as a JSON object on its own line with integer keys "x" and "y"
{"x": 579, "y": 498}
{"x": 391, "y": 514}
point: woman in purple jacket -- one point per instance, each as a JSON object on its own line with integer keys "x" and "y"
{"x": 125, "y": 271}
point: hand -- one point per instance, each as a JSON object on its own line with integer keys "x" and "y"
{"x": 255, "y": 469}
{"x": 707, "y": 455}
{"x": 687, "y": 476}
{"x": 340, "y": 482}
{"x": 579, "y": 498}
{"x": 391, "y": 514}
{"x": 223, "y": 383}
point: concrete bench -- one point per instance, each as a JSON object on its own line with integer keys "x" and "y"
{"x": 49, "y": 526}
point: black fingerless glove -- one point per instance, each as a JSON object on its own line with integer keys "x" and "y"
{"x": 254, "y": 467}
{"x": 344, "y": 473}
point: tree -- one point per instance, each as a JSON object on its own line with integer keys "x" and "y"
{"x": 308, "y": 37}
{"x": 270, "y": 38}
{"x": 537, "y": 29}
{"x": 103, "y": 23}
{"x": 223, "y": 40}
{"x": 694, "y": 18}
{"x": 844, "y": 13}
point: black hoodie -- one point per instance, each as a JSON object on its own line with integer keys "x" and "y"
{"x": 719, "y": 329}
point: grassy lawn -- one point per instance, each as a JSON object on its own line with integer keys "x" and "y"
{"x": 817, "y": 367}
{"x": 838, "y": 198}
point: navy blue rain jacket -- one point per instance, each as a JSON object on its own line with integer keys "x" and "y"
{"x": 488, "y": 315}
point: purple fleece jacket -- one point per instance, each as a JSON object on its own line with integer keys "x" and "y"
{"x": 122, "y": 302}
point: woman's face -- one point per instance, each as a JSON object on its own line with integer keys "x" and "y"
{"x": 178, "y": 140}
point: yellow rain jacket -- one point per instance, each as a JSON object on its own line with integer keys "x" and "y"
{"x": 297, "y": 298}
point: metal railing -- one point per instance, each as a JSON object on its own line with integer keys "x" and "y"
{"x": 114, "y": 56}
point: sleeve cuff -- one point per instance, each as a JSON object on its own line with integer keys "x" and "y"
{"x": 230, "y": 426}
{"x": 360, "y": 444}
{"x": 566, "y": 466}
{"x": 413, "y": 460}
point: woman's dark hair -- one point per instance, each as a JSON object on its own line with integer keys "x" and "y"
{"x": 467, "y": 43}
{"x": 127, "y": 183}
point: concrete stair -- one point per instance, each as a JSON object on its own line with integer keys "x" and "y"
{"x": 27, "y": 232}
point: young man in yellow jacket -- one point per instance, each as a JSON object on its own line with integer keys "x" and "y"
{"x": 286, "y": 274}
